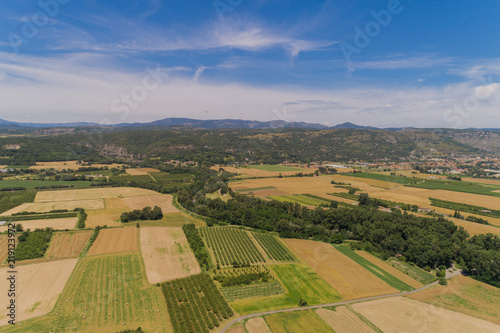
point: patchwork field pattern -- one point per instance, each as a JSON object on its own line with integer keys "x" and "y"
{"x": 350, "y": 279}
{"x": 105, "y": 294}
{"x": 296, "y": 322}
{"x": 114, "y": 241}
{"x": 399, "y": 314}
{"x": 90, "y": 194}
{"x": 166, "y": 254}
{"x": 35, "y": 299}
{"x": 9, "y": 200}
{"x": 299, "y": 281}
{"x": 67, "y": 244}
{"x": 42, "y": 207}
{"x": 230, "y": 245}
{"x": 343, "y": 320}
{"x": 464, "y": 295}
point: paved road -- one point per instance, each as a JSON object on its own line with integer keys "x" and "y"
{"x": 330, "y": 304}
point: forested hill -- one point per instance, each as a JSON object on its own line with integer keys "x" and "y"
{"x": 257, "y": 145}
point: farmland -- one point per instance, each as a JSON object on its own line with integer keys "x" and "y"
{"x": 3, "y": 248}
{"x": 33, "y": 244}
{"x": 458, "y": 186}
{"x": 390, "y": 269}
{"x": 195, "y": 304}
{"x": 114, "y": 241}
{"x": 300, "y": 199}
{"x": 257, "y": 325}
{"x": 349, "y": 278}
{"x": 275, "y": 168}
{"x": 296, "y": 322}
{"x": 230, "y": 245}
{"x": 34, "y": 184}
{"x": 273, "y": 247}
{"x": 105, "y": 294}
{"x": 385, "y": 178}
{"x": 398, "y": 314}
{"x": 42, "y": 207}
{"x": 343, "y": 320}
{"x": 36, "y": 299}
{"x": 166, "y": 254}
{"x": 67, "y": 244}
{"x": 9, "y": 200}
{"x": 164, "y": 201}
{"x": 300, "y": 282}
{"x": 168, "y": 177}
{"x": 374, "y": 269}
{"x": 464, "y": 295}
{"x": 257, "y": 290}
{"x": 414, "y": 272}
{"x": 56, "y": 224}
{"x": 91, "y": 194}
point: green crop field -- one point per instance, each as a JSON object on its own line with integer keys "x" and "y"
{"x": 297, "y": 322}
{"x": 195, "y": 304}
{"x": 129, "y": 178}
{"x": 33, "y": 184}
{"x": 273, "y": 247}
{"x": 464, "y": 207}
{"x": 300, "y": 199}
{"x": 385, "y": 178}
{"x": 374, "y": 269}
{"x": 231, "y": 245}
{"x": 102, "y": 294}
{"x": 414, "y": 272}
{"x": 275, "y": 168}
{"x": 168, "y": 177}
{"x": 9, "y": 200}
{"x": 300, "y": 281}
{"x": 459, "y": 186}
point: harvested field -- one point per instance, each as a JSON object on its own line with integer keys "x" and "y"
{"x": 343, "y": 320}
{"x": 164, "y": 201}
{"x": 482, "y": 181}
{"x": 257, "y": 325}
{"x": 57, "y": 224}
{"x": 136, "y": 172}
{"x": 475, "y": 228}
{"x": 399, "y": 314}
{"x": 148, "y": 170}
{"x": 115, "y": 240}
{"x": 69, "y": 165}
{"x": 115, "y": 203}
{"x": 92, "y": 193}
{"x": 464, "y": 295}
{"x": 167, "y": 254}
{"x": 101, "y": 217}
{"x": 350, "y": 279}
{"x": 15, "y": 210}
{"x": 239, "y": 328}
{"x": 389, "y": 269}
{"x": 36, "y": 299}
{"x": 43, "y": 207}
{"x": 3, "y": 248}
{"x": 179, "y": 219}
{"x": 296, "y": 322}
{"x": 253, "y": 172}
{"x": 67, "y": 244}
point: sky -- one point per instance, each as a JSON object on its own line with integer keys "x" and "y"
{"x": 391, "y": 63}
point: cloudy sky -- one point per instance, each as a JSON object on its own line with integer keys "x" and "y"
{"x": 379, "y": 63}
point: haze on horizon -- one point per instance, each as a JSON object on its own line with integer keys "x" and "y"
{"x": 374, "y": 63}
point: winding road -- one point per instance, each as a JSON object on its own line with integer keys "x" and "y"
{"x": 234, "y": 321}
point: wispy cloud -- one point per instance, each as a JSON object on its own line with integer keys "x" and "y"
{"x": 404, "y": 62}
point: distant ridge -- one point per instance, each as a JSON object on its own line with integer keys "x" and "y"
{"x": 204, "y": 124}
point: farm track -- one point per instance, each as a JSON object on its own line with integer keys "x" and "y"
{"x": 225, "y": 328}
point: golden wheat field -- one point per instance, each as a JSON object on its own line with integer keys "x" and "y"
{"x": 91, "y": 194}
{"x": 346, "y": 276}
{"x": 464, "y": 295}
{"x": 69, "y": 165}
{"x": 400, "y": 314}
{"x": 67, "y": 244}
{"x": 257, "y": 325}
{"x": 57, "y": 224}
{"x": 343, "y": 320}
{"x": 35, "y": 299}
{"x": 115, "y": 240}
{"x": 3, "y": 248}
{"x": 166, "y": 254}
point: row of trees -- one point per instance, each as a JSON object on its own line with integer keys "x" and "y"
{"x": 145, "y": 214}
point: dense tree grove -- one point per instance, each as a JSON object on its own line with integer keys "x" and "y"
{"x": 145, "y": 214}
{"x": 196, "y": 243}
{"x": 427, "y": 242}
{"x": 33, "y": 244}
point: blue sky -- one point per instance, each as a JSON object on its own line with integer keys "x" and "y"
{"x": 379, "y": 63}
